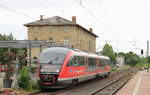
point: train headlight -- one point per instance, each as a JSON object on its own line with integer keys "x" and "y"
{"x": 57, "y": 70}
{"x": 42, "y": 70}
{"x": 49, "y": 70}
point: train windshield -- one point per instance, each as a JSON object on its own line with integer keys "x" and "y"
{"x": 56, "y": 58}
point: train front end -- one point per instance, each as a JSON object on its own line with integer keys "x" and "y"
{"x": 51, "y": 61}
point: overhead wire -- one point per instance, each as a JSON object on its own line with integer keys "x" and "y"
{"x": 135, "y": 45}
{"x": 100, "y": 21}
{"x": 12, "y": 10}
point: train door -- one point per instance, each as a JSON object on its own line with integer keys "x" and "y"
{"x": 102, "y": 64}
{"x": 86, "y": 63}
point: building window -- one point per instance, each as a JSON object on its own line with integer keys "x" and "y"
{"x": 66, "y": 28}
{"x": 66, "y": 41}
{"x": 90, "y": 45}
{"x": 50, "y": 39}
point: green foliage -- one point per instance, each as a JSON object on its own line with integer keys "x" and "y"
{"x": 7, "y": 37}
{"x": 24, "y": 78}
{"x": 22, "y": 61}
{"x": 33, "y": 68}
{"x": 34, "y": 85}
{"x": 147, "y": 65}
{"x": 139, "y": 66}
{"x": 148, "y": 59}
{"x": 122, "y": 54}
{"x": 133, "y": 59}
{"x": 3, "y": 50}
{"x": 141, "y": 63}
{"x": 108, "y": 51}
{"x": 113, "y": 69}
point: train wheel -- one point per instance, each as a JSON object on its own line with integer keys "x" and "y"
{"x": 42, "y": 88}
{"x": 97, "y": 76}
{"x": 74, "y": 82}
{"x": 107, "y": 74}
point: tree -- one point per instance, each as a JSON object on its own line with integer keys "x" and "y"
{"x": 7, "y": 38}
{"x": 108, "y": 51}
{"x": 148, "y": 58}
{"x": 133, "y": 59}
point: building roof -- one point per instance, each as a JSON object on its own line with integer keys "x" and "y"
{"x": 55, "y": 20}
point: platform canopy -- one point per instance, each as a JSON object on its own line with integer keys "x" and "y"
{"x": 26, "y": 44}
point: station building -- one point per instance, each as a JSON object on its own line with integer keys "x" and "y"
{"x": 61, "y": 31}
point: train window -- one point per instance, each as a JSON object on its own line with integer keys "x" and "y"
{"x": 73, "y": 61}
{"x": 80, "y": 60}
{"x": 108, "y": 62}
{"x": 76, "y": 61}
{"x": 99, "y": 62}
{"x": 70, "y": 63}
{"x": 52, "y": 58}
{"x": 91, "y": 64}
{"x": 92, "y": 61}
{"x": 102, "y": 62}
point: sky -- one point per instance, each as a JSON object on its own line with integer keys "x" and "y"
{"x": 122, "y": 23}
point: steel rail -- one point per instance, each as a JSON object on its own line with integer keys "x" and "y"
{"x": 128, "y": 76}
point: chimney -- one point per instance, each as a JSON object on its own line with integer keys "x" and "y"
{"x": 74, "y": 19}
{"x": 90, "y": 30}
{"x": 41, "y": 17}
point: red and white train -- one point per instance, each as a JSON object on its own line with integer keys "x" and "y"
{"x": 61, "y": 67}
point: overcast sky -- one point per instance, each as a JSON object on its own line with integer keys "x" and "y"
{"x": 125, "y": 24}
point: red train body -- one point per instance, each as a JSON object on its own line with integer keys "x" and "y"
{"x": 61, "y": 67}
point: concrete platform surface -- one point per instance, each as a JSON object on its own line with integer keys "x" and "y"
{"x": 138, "y": 85}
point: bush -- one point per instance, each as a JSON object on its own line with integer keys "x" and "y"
{"x": 140, "y": 66}
{"x": 24, "y": 78}
{"x": 34, "y": 85}
{"x": 113, "y": 69}
{"x": 33, "y": 68}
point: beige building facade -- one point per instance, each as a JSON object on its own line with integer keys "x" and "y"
{"x": 61, "y": 32}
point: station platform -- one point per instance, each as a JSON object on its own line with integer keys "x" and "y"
{"x": 138, "y": 85}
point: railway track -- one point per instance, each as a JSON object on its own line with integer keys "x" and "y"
{"x": 50, "y": 92}
{"x": 112, "y": 87}
{"x": 59, "y": 91}
{"x": 109, "y": 86}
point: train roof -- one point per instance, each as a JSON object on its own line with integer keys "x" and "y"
{"x": 57, "y": 49}
{"x": 65, "y": 50}
{"x": 104, "y": 57}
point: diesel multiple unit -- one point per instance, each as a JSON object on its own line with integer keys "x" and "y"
{"x": 61, "y": 67}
